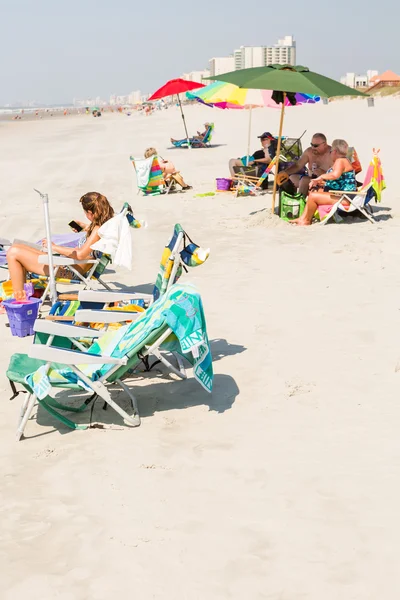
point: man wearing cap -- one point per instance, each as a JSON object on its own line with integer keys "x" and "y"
{"x": 261, "y": 158}
{"x": 317, "y": 158}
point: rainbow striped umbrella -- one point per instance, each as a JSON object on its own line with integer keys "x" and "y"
{"x": 227, "y": 95}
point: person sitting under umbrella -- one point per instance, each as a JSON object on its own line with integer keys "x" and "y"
{"x": 317, "y": 157}
{"x": 196, "y": 138}
{"x": 340, "y": 177}
{"x": 260, "y": 158}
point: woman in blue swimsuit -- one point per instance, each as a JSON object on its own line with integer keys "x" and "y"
{"x": 341, "y": 177}
{"x": 24, "y": 259}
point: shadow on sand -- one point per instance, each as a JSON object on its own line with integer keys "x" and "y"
{"x": 156, "y": 391}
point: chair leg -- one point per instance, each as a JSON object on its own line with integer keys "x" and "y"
{"x": 180, "y": 372}
{"x": 367, "y": 215}
{"x": 133, "y": 400}
{"x": 27, "y": 408}
{"x": 181, "y": 365}
{"x": 102, "y": 391}
{"x": 104, "y": 284}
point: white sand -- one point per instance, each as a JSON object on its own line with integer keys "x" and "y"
{"x": 284, "y": 483}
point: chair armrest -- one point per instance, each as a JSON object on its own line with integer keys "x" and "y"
{"x": 4, "y": 242}
{"x": 30, "y": 244}
{"x": 63, "y": 330}
{"x": 72, "y": 357}
{"x": 64, "y": 261}
{"x": 343, "y": 193}
{"x": 105, "y": 316}
{"x": 114, "y": 296}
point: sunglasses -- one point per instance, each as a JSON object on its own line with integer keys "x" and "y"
{"x": 316, "y": 145}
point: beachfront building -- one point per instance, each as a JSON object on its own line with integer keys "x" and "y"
{"x": 223, "y": 64}
{"x": 135, "y": 97}
{"x": 282, "y": 53}
{"x": 358, "y": 81}
{"x": 387, "y": 79}
{"x": 197, "y": 76}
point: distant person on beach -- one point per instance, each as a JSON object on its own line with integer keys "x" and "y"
{"x": 24, "y": 259}
{"x": 196, "y": 138}
{"x": 168, "y": 169}
{"x": 340, "y": 177}
{"x": 315, "y": 161}
{"x": 260, "y": 158}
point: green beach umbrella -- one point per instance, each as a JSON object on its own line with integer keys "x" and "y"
{"x": 286, "y": 80}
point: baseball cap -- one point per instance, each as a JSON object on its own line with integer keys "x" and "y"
{"x": 267, "y": 135}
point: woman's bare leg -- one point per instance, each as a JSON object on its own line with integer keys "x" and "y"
{"x": 179, "y": 180}
{"x": 234, "y": 162}
{"x": 23, "y": 259}
{"x": 314, "y": 200}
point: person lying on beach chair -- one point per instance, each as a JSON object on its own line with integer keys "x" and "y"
{"x": 24, "y": 259}
{"x": 340, "y": 177}
{"x": 171, "y": 175}
{"x": 256, "y": 164}
{"x": 201, "y": 140}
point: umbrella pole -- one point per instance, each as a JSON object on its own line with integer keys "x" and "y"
{"x": 278, "y": 152}
{"x": 248, "y": 140}
{"x": 52, "y": 279}
{"x": 184, "y": 122}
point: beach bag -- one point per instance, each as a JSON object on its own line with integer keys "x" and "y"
{"x": 192, "y": 254}
{"x": 291, "y": 206}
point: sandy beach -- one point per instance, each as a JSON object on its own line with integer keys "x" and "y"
{"x": 284, "y": 483}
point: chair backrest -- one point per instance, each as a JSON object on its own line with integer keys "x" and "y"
{"x": 103, "y": 261}
{"x": 150, "y": 178}
{"x": 103, "y": 258}
{"x": 208, "y": 135}
{"x": 170, "y": 266}
{"x": 291, "y": 149}
{"x": 353, "y": 158}
{"x": 179, "y": 253}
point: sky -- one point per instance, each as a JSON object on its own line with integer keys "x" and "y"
{"x": 52, "y": 51}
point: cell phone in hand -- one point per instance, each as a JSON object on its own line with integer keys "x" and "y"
{"x": 74, "y": 225}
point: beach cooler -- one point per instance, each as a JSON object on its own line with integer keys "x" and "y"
{"x": 291, "y": 207}
{"x": 22, "y": 315}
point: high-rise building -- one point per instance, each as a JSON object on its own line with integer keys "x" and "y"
{"x": 135, "y": 97}
{"x": 284, "y": 52}
{"x": 223, "y": 64}
{"x": 197, "y": 76}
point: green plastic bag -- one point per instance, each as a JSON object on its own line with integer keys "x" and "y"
{"x": 291, "y": 206}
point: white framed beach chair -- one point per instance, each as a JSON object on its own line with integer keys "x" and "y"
{"x": 98, "y": 264}
{"x": 359, "y": 200}
{"x": 372, "y": 188}
{"x": 176, "y": 321}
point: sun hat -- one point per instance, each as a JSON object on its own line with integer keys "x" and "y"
{"x": 266, "y": 135}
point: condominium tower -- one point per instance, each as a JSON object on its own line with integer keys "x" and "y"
{"x": 245, "y": 57}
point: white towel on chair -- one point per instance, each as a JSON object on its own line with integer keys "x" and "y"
{"x": 115, "y": 240}
{"x": 143, "y": 166}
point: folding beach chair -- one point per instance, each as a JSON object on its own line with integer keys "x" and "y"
{"x": 372, "y": 188}
{"x": 359, "y": 200}
{"x": 150, "y": 178}
{"x": 244, "y": 184}
{"x": 89, "y": 278}
{"x": 176, "y": 322}
{"x": 180, "y": 253}
{"x": 196, "y": 143}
